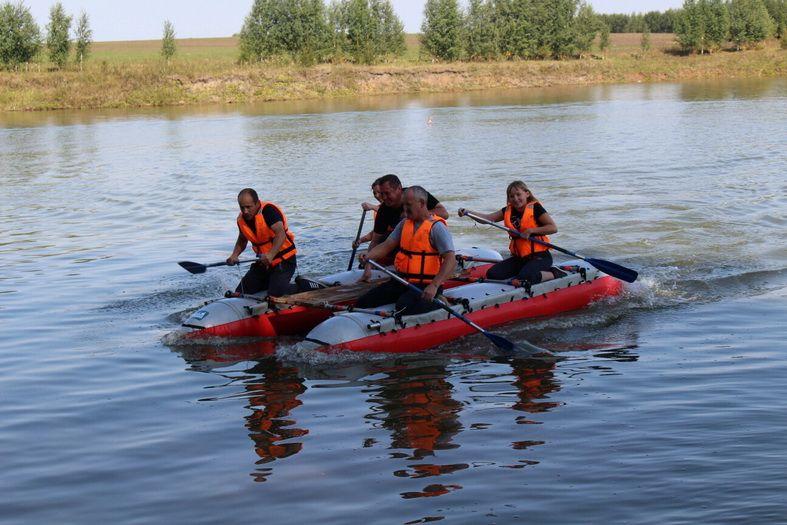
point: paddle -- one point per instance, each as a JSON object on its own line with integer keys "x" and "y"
{"x": 610, "y": 268}
{"x": 357, "y": 236}
{"x": 195, "y": 267}
{"x": 501, "y": 342}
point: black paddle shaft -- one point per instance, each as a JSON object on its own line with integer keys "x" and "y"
{"x": 501, "y": 342}
{"x": 357, "y": 236}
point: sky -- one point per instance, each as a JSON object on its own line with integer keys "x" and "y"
{"x": 144, "y": 19}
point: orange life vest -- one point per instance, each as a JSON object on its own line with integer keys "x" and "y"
{"x": 417, "y": 260}
{"x": 262, "y": 239}
{"x": 519, "y": 246}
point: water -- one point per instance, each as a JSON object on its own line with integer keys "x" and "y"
{"x": 669, "y": 406}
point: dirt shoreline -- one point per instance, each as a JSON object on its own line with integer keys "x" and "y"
{"x": 153, "y": 84}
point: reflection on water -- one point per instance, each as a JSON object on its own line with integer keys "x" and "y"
{"x": 413, "y": 400}
{"x": 416, "y": 399}
{"x": 532, "y": 385}
{"x": 273, "y": 394}
{"x": 686, "y": 91}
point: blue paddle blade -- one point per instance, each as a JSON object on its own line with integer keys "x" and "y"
{"x": 615, "y": 270}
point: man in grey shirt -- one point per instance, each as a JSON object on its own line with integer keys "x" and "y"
{"x": 425, "y": 258}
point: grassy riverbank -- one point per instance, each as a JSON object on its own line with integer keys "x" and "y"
{"x": 131, "y": 74}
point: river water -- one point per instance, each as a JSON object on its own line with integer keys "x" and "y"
{"x": 669, "y": 406}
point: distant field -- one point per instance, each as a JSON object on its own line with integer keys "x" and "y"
{"x": 227, "y": 48}
{"x": 631, "y": 42}
{"x": 189, "y": 48}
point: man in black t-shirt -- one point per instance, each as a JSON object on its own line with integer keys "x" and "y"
{"x": 391, "y": 212}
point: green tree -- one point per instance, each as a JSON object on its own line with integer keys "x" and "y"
{"x": 657, "y": 22}
{"x": 554, "y": 35}
{"x": 617, "y": 22}
{"x": 644, "y": 43}
{"x": 441, "y": 31}
{"x": 717, "y": 23}
{"x": 603, "y": 40}
{"x": 361, "y": 31}
{"x": 513, "y": 19}
{"x": 545, "y": 28}
{"x": 309, "y": 33}
{"x": 750, "y": 22}
{"x": 20, "y": 37}
{"x": 83, "y": 38}
{"x": 635, "y": 23}
{"x": 365, "y": 30}
{"x": 585, "y": 26}
{"x": 168, "y": 41}
{"x": 294, "y": 28}
{"x": 778, "y": 11}
{"x": 481, "y": 37}
{"x": 390, "y": 30}
{"x": 57, "y": 35}
{"x": 258, "y": 36}
{"x": 690, "y": 28}
{"x": 337, "y": 25}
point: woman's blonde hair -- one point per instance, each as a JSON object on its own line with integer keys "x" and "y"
{"x": 519, "y": 185}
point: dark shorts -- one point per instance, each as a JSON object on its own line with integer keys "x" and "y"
{"x": 408, "y": 302}
{"x": 276, "y": 280}
{"x": 523, "y": 268}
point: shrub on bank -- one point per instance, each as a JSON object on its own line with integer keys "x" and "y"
{"x": 750, "y": 22}
{"x": 20, "y": 37}
{"x": 57, "y": 42}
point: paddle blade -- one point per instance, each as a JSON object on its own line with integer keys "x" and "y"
{"x": 510, "y": 348}
{"x": 615, "y": 270}
{"x": 193, "y": 267}
{"x": 501, "y": 342}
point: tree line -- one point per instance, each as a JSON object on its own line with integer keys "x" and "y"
{"x": 369, "y": 31}
{"x": 705, "y": 26}
{"x": 653, "y": 21}
{"x": 21, "y": 38}
{"x": 362, "y": 31}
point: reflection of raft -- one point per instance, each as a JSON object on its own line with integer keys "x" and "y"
{"x": 485, "y": 303}
{"x": 253, "y": 316}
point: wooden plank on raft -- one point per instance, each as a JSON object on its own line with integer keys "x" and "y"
{"x": 332, "y": 294}
{"x": 337, "y": 294}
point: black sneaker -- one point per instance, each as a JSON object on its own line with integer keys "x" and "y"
{"x": 557, "y": 273}
{"x": 307, "y": 285}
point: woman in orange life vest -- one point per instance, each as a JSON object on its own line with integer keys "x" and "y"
{"x": 425, "y": 258}
{"x": 368, "y": 206}
{"x": 529, "y": 262}
{"x": 265, "y": 225}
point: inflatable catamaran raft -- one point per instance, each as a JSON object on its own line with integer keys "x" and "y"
{"x": 296, "y": 314}
{"x": 484, "y": 303}
{"x": 327, "y": 319}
